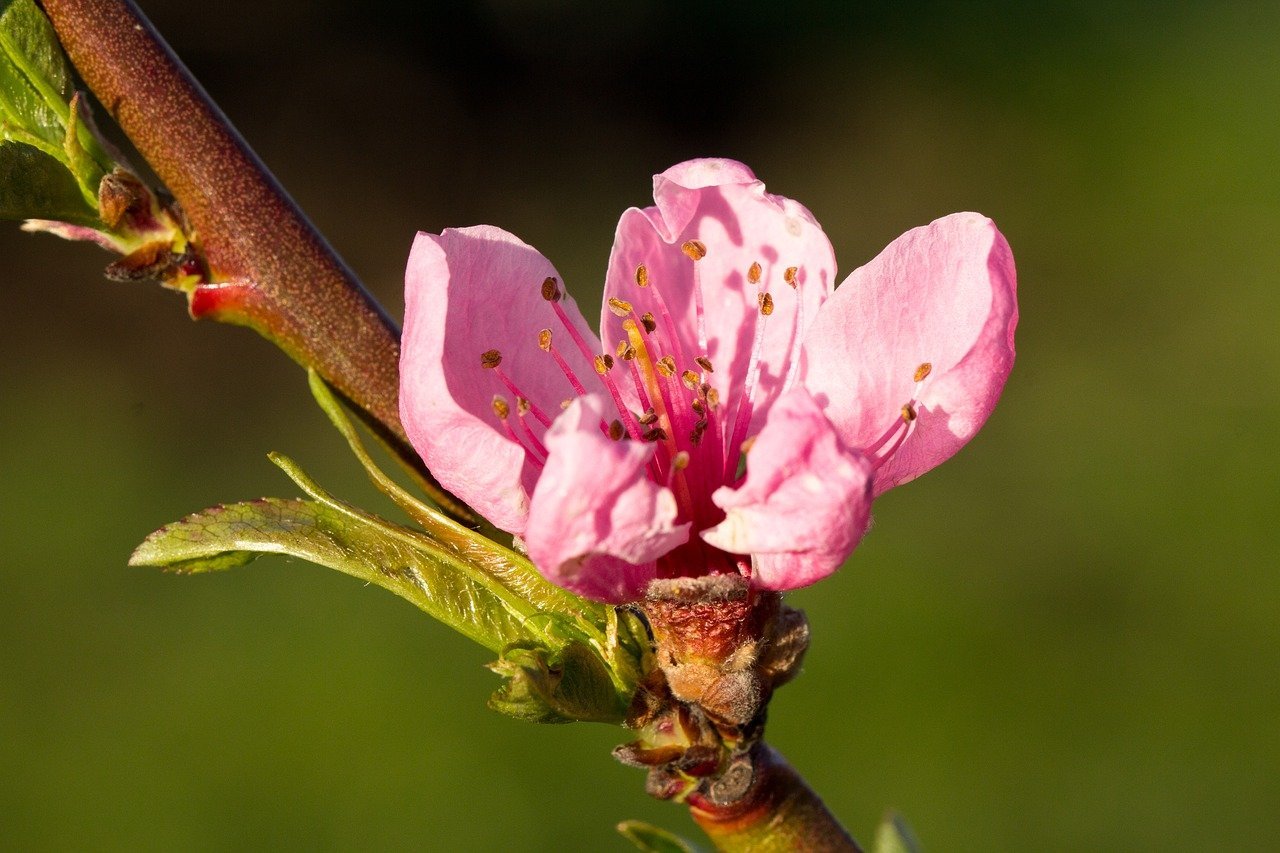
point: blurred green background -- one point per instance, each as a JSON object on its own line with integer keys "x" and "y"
{"x": 1065, "y": 639}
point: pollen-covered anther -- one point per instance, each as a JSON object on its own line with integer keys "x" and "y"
{"x": 666, "y": 366}
{"x": 648, "y": 418}
{"x": 522, "y": 406}
{"x": 698, "y": 406}
{"x": 490, "y": 358}
{"x": 551, "y": 289}
{"x": 753, "y": 273}
{"x": 648, "y": 322}
{"x": 681, "y": 460}
{"x": 790, "y": 276}
{"x": 619, "y": 307}
{"x": 626, "y": 351}
{"x": 604, "y": 363}
{"x": 654, "y": 434}
{"x": 705, "y": 364}
{"x": 544, "y": 340}
{"x": 713, "y": 397}
{"x": 923, "y": 371}
{"x": 616, "y": 430}
{"x": 565, "y": 404}
{"x": 908, "y": 413}
{"x": 642, "y": 276}
{"x": 695, "y": 435}
{"x": 695, "y": 249}
{"x": 500, "y": 407}
{"x": 766, "y": 303}
{"x": 690, "y": 380}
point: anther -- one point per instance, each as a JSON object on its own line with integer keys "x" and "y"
{"x": 544, "y": 340}
{"x": 551, "y": 290}
{"x": 648, "y": 322}
{"x": 680, "y": 461}
{"x": 642, "y": 276}
{"x": 705, "y": 363}
{"x": 908, "y": 413}
{"x": 620, "y": 308}
{"x": 500, "y": 407}
{"x": 698, "y": 406}
{"x": 695, "y": 249}
{"x": 690, "y": 380}
{"x": 491, "y": 358}
{"x": 655, "y": 434}
{"x": 616, "y": 430}
{"x": 648, "y": 417}
{"x": 790, "y": 276}
{"x": 922, "y": 371}
{"x": 753, "y": 273}
{"x": 695, "y": 437}
{"x": 666, "y": 366}
{"x": 626, "y": 351}
{"x": 713, "y": 397}
{"x": 522, "y": 406}
{"x": 748, "y": 443}
{"x": 766, "y": 303}
{"x": 604, "y": 363}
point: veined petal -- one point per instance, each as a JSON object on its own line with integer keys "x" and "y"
{"x": 469, "y": 291}
{"x": 943, "y": 294}
{"x": 805, "y": 502}
{"x": 597, "y": 523}
{"x": 721, "y": 205}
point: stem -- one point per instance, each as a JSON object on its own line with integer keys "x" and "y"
{"x": 268, "y": 268}
{"x": 779, "y": 812}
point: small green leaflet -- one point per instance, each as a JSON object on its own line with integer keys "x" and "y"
{"x": 652, "y": 839}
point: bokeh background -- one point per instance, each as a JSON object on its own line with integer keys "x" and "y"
{"x": 1065, "y": 639}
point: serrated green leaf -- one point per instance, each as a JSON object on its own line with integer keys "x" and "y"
{"x": 894, "y": 836}
{"x": 378, "y": 552}
{"x": 514, "y": 571}
{"x": 34, "y": 185}
{"x": 652, "y": 839}
{"x": 568, "y": 686}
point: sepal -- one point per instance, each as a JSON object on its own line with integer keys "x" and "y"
{"x": 571, "y": 685}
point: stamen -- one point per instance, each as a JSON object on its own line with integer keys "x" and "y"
{"x": 503, "y": 410}
{"x": 690, "y": 380}
{"x": 551, "y": 290}
{"x": 650, "y": 324}
{"x": 604, "y": 363}
{"x": 545, "y": 343}
{"x": 642, "y": 276}
{"x": 619, "y": 307}
{"x": 695, "y": 249}
{"x": 655, "y": 434}
{"x": 908, "y": 413}
{"x": 616, "y": 430}
{"x": 544, "y": 340}
{"x": 766, "y": 303}
{"x": 517, "y": 393}
{"x": 522, "y": 408}
{"x": 753, "y": 273}
{"x": 648, "y": 417}
{"x": 923, "y": 371}
{"x": 489, "y": 359}
{"x": 705, "y": 363}
{"x": 746, "y": 403}
{"x": 666, "y": 366}
{"x": 789, "y": 276}
{"x": 748, "y": 443}
{"x": 680, "y": 461}
{"x": 500, "y": 407}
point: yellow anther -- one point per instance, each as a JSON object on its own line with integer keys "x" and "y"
{"x": 642, "y": 276}
{"x": 603, "y": 363}
{"x": 690, "y": 380}
{"x": 681, "y": 460}
{"x": 695, "y": 249}
{"x": 705, "y": 363}
{"x": 500, "y": 407}
{"x": 908, "y": 413}
{"x": 544, "y": 340}
{"x": 922, "y": 371}
{"x": 551, "y": 289}
{"x": 748, "y": 443}
{"x": 766, "y": 303}
{"x": 713, "y": 397}
{"x": 753, "y": 272}
{"x": 666, "y": 366}
{"x": 490, "y": 358}
{"x": 790, "y": 275}
{"x": 619, "y": 307}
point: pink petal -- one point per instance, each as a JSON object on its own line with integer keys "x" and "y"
{"x": 722, "y": 205}
{"x": 944, "y": 294}
{"x": 597, "y": 523}
{"x": 468, "y": 291}
{"x": 805, "y": 502}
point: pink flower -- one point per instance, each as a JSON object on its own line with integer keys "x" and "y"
{"x": 617, "y": 459}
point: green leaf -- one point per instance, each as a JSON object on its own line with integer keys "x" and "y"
{"x": 375, "y": 551}
{"x": 894, "y": 836}
{"x": 34, "y": 185}
{"x": 572, "y": 685}
{"x": 651, "y": 839}
{"x": 38, "y": 104}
